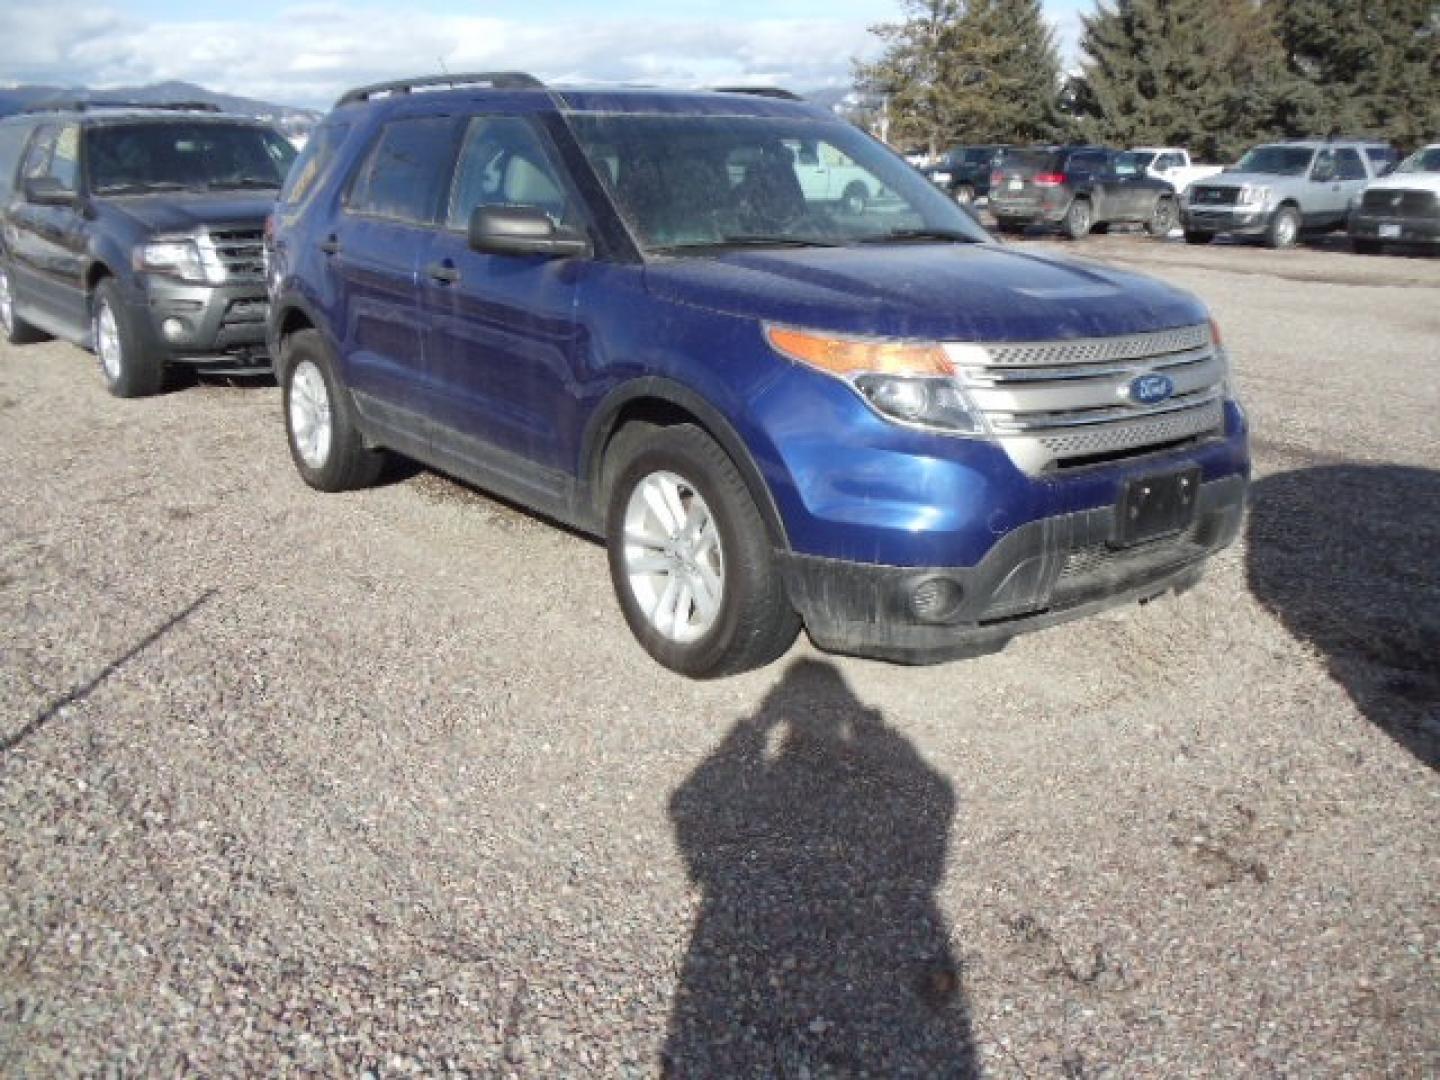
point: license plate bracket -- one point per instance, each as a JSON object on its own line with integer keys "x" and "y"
{"x": 1154, "y": 506}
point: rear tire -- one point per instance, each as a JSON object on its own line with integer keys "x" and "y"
{"x": 1195, "y": 236}
{"x": 1284, "y": 228}
{"x": 128, "y": 366}
{"x": 1078, "y": 219}
{"x": 964, "y": 194}
{"x": 14, "y": 329}
{"x": 320, "y": 421}
{"x": 1366, "y": 247}
{"x": 690, "y": 558}
{"x": 1010, "y": 226}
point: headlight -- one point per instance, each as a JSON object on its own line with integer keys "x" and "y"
{"x": 182, "y": 259}
{"x": 940, "y": 177}
{"x": 1254, "y": 195}
{"x": 908, "y": 382}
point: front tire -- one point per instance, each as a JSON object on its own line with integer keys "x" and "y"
{"x": 129, "y": 367}
{"x": 1162, "y": 219}
{"x": 14, "y": 329}
{"x": 690, "y": 558}
{"x": 1078, "y": 219}
{"x": 1196, "y": 236}
{"x": 320, "y": 422}
{"x": 1284, "y": 228}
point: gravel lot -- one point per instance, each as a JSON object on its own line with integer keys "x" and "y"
{"x": 379, "y": 782}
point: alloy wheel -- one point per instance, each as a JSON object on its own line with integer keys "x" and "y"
{"x": 107, "y": 343}
{"x": 673, "y": 557}
{"x": 310, "y": 422}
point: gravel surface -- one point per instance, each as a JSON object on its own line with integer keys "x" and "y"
{"x": 380, "y": 783}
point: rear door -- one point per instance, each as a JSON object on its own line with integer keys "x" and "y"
{"x": 47, "y": 243}
{"x": 1351, "y": 177}
{"x": 500, "y": 355}
{"x": 374, "y": 252}
{"x": 1325, "y": 196}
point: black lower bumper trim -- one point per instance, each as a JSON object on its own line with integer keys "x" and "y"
{"x": 1041, "y": 574}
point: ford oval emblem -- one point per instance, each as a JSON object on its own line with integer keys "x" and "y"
{"x": 1150, "y": 389}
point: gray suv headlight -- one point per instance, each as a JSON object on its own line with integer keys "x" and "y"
{"x": 183, "y": 259}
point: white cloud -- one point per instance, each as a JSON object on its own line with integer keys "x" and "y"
{"x": 308, "y": 55}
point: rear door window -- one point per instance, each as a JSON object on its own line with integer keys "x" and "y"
{"x": 406, "y": 172}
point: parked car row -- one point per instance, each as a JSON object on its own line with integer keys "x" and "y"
{"x": 1278, "y": 193}
{"x": 628, "y": 311}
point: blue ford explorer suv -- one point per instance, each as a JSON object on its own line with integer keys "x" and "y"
{"x": 623, "y": 309}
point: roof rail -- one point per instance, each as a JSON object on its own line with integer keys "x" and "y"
{"x": 84, "y": 105}
{"x": 499, "y": 80}
{"x": 760, "y": 91}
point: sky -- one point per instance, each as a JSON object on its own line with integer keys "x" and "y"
{"x": 307, "y": 53}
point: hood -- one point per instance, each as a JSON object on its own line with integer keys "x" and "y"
{"x": 183, "y": 212}
{"x": 1240, "y": 179}
{"x": 1413, "y": 181}
{"x": 951, "y": 292}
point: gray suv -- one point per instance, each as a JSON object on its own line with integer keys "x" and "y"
{"x": 1280, "y": 191}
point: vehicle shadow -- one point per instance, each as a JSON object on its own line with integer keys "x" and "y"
{"x": 1346, "y": 556}
{"x": 818, "y": 836}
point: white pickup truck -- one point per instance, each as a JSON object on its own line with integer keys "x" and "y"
{"x": 1173, "y": 165}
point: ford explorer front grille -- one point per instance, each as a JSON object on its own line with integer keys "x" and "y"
{"x": 1056, "y": 404}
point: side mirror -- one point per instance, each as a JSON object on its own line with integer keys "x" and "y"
{"x": 522, "y": 230}
{"x": 47, "y": 191}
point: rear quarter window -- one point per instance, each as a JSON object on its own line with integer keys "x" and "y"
{"x": 313, "y": 163}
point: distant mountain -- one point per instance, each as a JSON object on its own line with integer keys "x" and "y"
{"x": 289, "y": 119}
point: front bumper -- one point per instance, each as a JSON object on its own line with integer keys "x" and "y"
{"x": 214, "y": 328}
{"x": 1236, "y": 220}
{"x": 1046, "y": 572}
{"x": 1397, "y": 230}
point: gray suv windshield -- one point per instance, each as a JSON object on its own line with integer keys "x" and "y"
{"x": 1276, "y": 160}
{"x": 714, "y": 182}
{"x": 171, "y": 156}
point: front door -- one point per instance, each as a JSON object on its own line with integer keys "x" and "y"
{"x": 502, "y": 344}
{"x": 48, "y": 241}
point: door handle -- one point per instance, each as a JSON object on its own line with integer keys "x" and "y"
{"x": 442, "y": 273}
{"x": 330, "y": 245}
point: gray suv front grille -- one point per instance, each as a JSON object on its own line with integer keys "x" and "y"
{"x": 1058, "y": 403}
{"x": 1204, "y": 195}
{"x": 242, "y": 253}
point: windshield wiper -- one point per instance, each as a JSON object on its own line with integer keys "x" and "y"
{"x": 748, "y": 240}
{"x": 245, "y": 182}
{"x": 901, "y": 235}
{"x": 140, "y": 189}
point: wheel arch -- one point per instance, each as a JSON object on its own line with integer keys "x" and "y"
{"x": 664, "y": 402}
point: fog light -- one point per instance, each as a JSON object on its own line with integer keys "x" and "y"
{"x": 174, "y": 329}
{"x": 935, "y": 600}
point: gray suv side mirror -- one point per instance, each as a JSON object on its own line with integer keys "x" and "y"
{"x": 47, "y": 191}
{"x": 522, "y": 230}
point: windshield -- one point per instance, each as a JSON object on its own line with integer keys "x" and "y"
{"x": 1427, "y": 160}
{"x": 193, "y": 155}
{"x": 707, "y": 182}
{"x": 1276, "y": 160}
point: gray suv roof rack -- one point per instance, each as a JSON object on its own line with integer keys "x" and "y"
{"x": 84, "y": 105}
{"x": 499, "y": 80}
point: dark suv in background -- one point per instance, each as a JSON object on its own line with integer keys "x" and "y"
{"x": 1082, "y": 189}
{"x": 137, "y": 231}
{"x": 964, "y": 171}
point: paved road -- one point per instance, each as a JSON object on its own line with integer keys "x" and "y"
{"x": 379, "y": 781}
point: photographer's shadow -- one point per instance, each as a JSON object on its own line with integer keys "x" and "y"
{"x": 818, "y": 835}
{"x": 1348, "y": 558}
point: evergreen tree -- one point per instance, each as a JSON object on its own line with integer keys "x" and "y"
{"x": 968, "y": 71}
{"x": 1370, "y": 68}
{"x": 1206, "y": 74}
